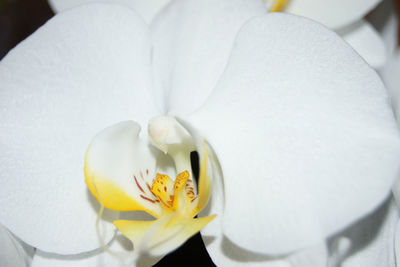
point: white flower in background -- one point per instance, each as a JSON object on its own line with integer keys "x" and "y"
{"x": 300, "y": 124}
{"x": 346, "y": 17}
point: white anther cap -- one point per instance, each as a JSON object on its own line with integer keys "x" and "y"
{"x": 166, "y": 130}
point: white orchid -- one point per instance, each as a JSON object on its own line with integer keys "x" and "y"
{"x": 300, "y": 124}
{"x": 346, "y": 17}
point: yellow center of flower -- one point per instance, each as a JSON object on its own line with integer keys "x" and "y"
{"x": 173, "y": 195}
{"x": 179, "y": 204}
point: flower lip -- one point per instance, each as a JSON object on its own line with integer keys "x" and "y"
{"x": 120, "y": 173}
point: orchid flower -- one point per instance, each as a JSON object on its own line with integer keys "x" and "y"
{"x": 296, "y": 124}
{"x": 345, "y": 17}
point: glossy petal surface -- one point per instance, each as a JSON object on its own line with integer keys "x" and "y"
{"x": 85, "y": 69}
{"x": 304, "y": 132}
{"x": 192, "y": 43}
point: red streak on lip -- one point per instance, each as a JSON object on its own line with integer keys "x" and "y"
{"x": 138, "y": 185}
{"x": 148, "y": 199}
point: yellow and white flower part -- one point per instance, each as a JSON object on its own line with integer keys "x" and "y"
{"x": 114, "y": 176}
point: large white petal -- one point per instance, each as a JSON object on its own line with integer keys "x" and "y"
{"x": 366, "y": 41}
{"x": 85, "y": 69}
{"x": 304, "y": 133}
{"x": 332, "y": 13}
{"x": 146, "y": 8}
{"x": 192, "y": 43}
{"x": 373, "y": 239}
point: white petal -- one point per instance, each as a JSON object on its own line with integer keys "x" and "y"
{"x": 12, "y": 252}
{"x": 87, "y": 68}
{"x": 366, "y": 41}
{"x": 374, "y": 239}
{"x": 146, "y": 8}
{"x": 192, "y": 43}
{"x": 332, "y": 13}
{"x": 304, "y": 134}
{"x": 121, "y": 245}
